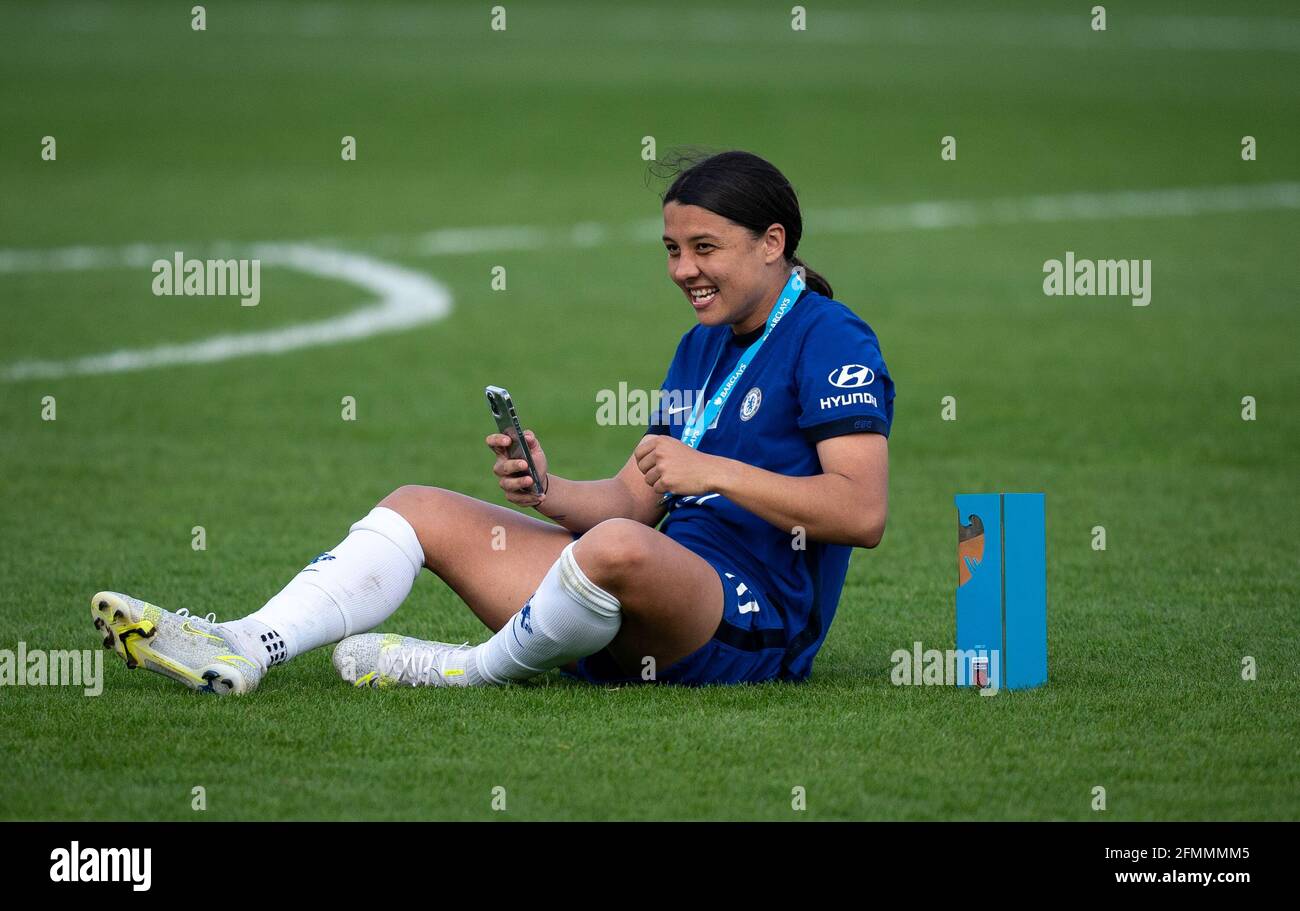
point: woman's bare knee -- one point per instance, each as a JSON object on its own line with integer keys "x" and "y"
{"x": 412, "y": 501}
{"x": 613, "y": 550}
{"x": 422, "y": 507}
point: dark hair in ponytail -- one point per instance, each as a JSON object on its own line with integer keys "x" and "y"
{"x": 743, "y": 188}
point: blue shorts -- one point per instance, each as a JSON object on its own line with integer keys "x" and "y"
{"x": 748, "y": 646}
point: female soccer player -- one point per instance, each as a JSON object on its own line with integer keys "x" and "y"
{"x": 764, "y": 487}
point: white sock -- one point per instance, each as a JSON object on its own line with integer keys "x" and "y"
{"x": 350, "y": 589}
{"x": 568, "y": 617}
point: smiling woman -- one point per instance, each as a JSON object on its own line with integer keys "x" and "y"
{"x": 763, "y": 489}
{"x": 757, "y": 199}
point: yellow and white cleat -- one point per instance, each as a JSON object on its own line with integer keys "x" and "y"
{"x": 193, "y": 650}
{"x": 386, "y": 659}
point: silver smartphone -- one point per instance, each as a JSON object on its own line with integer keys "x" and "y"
{"x": 503, "y": 409}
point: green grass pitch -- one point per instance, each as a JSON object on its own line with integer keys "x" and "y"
{"x": 1128, "y": 418}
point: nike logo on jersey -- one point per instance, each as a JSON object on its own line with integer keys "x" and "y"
{"x": 698, "y": 498}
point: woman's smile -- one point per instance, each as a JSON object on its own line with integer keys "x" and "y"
{"x": 702, "y": 295}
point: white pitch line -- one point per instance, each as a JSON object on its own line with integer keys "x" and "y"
{"x": 914, "y": 216}
{"x": 1063, "y": 207}
{"x": 409, "y": 298}
{"x": 406, "y": 299}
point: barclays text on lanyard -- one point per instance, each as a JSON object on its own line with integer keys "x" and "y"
{"x": 697, "y": 424}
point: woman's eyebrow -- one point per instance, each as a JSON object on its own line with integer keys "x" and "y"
{"x": 706, "y": 236}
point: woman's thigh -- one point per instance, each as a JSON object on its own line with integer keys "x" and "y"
{"x": 492, "y": 557}
{"x": 671, "y": 598}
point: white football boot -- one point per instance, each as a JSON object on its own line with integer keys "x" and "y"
{"x": 193, "y": 650}
{"x": 386, "y": 659}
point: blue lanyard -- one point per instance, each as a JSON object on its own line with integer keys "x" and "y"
{"x": 697, "y": 424}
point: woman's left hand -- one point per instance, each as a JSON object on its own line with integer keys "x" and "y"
{"x": 669, "y": 465}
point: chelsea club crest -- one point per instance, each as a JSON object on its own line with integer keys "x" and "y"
{"x": 753, "y": 398}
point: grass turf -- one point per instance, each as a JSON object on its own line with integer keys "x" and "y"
{"x": 1126, "y": 417}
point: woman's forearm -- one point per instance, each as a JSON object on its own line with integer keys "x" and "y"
{"x": 827, "y": 507}
{"x": 579, "y": 506}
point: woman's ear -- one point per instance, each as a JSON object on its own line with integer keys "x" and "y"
{"x": 773, "y": 244}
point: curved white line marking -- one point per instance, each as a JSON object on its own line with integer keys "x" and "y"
{"x": 406, "y": 298}
{"x": 409, "y": 298}
{"x": 891, "y": 217}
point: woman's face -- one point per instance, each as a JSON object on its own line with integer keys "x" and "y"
{"x": 725, "y": 272}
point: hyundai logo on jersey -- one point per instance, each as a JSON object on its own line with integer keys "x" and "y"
{"x": 851, "y": 376}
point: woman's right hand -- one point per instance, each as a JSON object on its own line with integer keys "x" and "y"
{"x": 513, "y": 473}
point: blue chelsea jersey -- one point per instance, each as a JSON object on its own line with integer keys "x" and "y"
{"x": 819, "y": 374}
